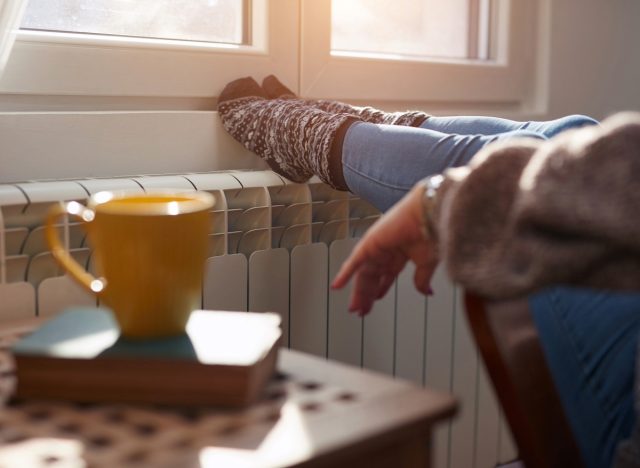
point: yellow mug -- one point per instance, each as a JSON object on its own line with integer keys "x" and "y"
{"x": 149, "y": 251}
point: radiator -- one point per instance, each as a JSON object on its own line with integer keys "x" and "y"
{"x": 274, "y": 246}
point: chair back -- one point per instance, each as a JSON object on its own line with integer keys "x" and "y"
{"x": 506, "y": 336}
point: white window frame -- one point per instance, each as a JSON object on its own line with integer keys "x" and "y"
{"x": 507, "y": 80}
{"x": 84, "y": 65}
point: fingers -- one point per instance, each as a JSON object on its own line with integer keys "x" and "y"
{"x": 372, "y": 282}
{"x": 349, "y": 266}
{"x": 366, "y": 288}
{"x": 365, "y": 257}
{"x": 346, "y": 271}
{"x": 422, "y": 277}
{"x": 385, "y": 283}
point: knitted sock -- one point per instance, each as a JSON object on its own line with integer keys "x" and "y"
{"x": 297, "y": 141}
{"x": 275, "y": 89}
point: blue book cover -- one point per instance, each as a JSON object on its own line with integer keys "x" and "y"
{"x": 212, "y": 337}
{"x": 224, "y": 358}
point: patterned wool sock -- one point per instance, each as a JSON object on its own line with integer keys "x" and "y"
{"x": 276, "y": 90}
{"x": 297, "y": 141}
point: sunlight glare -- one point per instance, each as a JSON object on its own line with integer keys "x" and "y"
{"x": 33, "y": 451}
{"x": 287, "y": 443}
{"x": 173, "y": 208}
{"x": 86, "y": 346}
{"x": 103, "y": 197}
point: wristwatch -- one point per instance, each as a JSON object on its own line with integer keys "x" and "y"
{"x": 431, "y": 185}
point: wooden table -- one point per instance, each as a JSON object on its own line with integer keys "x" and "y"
{"x": 313, "y": 413}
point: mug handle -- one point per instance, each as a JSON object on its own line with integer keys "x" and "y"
{"x": 62, "y": 255}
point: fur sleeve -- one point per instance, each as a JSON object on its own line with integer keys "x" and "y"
{"x": 527, "y": 214}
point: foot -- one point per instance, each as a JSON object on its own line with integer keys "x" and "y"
{"x": 274, "y": 88}
{"x": 242, "y": 87}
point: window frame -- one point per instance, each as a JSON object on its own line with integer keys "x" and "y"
{"x": 52, "y": 64}
{"x": 507, "y": 80}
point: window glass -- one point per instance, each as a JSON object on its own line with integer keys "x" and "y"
{"x": 421, "y": 28}
{"x": 193, "y": 20}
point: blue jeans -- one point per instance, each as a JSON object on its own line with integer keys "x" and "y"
{"x": 590, "y": 340}
{"x": 382, "y": 162}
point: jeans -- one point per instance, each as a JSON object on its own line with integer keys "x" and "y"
{"x": 590, "y": 340}
{"x": 382, "y": 162}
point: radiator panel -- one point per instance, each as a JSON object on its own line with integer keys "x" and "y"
{"x": 411, "y": 322}
{"x": 345, "y": 329}
{"x": 308, "y": 306}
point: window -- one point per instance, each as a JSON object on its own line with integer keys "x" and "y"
{"x": 430, "y": 53}
{"x": 203, "y": 45}
{"x": 454, "y": 29}
{"x": 222, "y": 21}
{"x": 438, "y": 52}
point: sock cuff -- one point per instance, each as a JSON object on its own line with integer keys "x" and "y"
{"x": 329, "y": 167}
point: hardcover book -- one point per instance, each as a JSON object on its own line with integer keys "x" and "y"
{"x": 224, "y": 358}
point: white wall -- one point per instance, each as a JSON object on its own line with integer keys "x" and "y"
{"x": 594, "y": 57}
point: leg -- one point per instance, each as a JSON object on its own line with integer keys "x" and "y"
{"x": 378, "y": 162}
{"x": 590, "y": 340}
{"x": 470, "y": 125}
{"x": 381, "y": 163}
{"x": 473, "y": 125}
{"x": 276, "y": 90}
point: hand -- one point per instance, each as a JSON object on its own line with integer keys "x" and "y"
{"x": 380, "y": 256}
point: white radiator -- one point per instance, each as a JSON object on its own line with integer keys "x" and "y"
{"x": 275, "y": 246}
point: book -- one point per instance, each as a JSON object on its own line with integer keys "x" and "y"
{"x": 224, "y": 358}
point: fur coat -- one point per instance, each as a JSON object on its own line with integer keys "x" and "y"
{"x": 529, "y": 213}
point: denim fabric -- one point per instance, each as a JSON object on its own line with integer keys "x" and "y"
{"x": 382, "y": 162}
{"x": 590, "y": 341}
{"x": 493, "y": 125}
